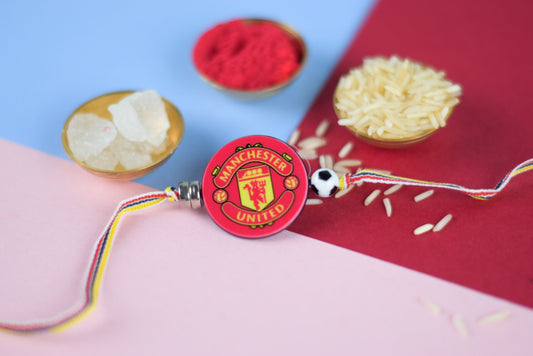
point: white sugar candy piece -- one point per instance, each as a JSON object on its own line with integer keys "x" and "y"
{"x": 152, "y": 113}
{"x": 107, "y": 160}
{"x": 141, "y": 116}
{"x": 127, "y": 121}
{"x": 135, "y": 161}
{"x": 161, "y": 148}
{"x": 131, "y": 155}
{"x": 88, "y": 135}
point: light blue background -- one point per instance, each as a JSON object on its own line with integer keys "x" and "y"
{"x": 55, "y": 55}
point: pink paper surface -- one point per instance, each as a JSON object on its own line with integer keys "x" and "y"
{"x": 177, "y": 284}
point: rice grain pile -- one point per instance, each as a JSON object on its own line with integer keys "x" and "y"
{"x": 394, "y": 99}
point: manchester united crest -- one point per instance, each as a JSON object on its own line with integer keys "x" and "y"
{"x": 255, "y": 186}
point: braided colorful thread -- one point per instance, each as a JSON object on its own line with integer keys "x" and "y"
{"x": 102, "y": 249}
{"x": 95, "y": 273}
{"x": 371, "y": 176}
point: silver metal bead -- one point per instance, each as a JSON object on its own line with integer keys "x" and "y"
{"x": 195, "y": 195}
{"x": 189, "y": 194}
{"x": 183, "y": 194}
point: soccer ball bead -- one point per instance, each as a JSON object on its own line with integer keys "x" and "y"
{"x": 325, "y": 183}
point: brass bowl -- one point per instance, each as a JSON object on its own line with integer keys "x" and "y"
{"x": 272, "y": 90}
{"x": 99, "y": 107}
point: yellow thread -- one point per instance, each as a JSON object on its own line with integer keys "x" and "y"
{"x": 103, "y": 263}
{"x": 69, "y": 323}
{"x": 521, "y": 170}
{"x": 171, "y": 194}
{"x": 402, "y": 178}
{"x": 168, "y": 191}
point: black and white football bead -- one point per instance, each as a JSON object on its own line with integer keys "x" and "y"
{"x": 325, "y": 183}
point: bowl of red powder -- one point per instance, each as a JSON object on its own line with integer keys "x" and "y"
{"x": 250, "y": 58}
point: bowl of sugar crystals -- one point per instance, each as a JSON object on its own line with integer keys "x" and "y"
{"x": 393, "y": 102}
{"x": 123, "y": 135}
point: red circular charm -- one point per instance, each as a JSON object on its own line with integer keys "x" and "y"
{"x": 255, "y": 186}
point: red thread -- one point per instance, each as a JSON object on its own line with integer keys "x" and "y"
{"x": 247, "y": 55}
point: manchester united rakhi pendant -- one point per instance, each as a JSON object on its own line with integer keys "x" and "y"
{"x": 255, "y": 186}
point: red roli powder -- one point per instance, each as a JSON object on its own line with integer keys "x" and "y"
{"x": 247, "y": 55}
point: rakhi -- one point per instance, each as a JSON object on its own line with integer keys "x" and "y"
{"x": 253, "y": 187}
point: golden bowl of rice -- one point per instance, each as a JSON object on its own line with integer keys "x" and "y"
{"x": 393, "y": 102}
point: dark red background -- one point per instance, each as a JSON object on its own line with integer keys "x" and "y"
{"x": 486, "y": 47}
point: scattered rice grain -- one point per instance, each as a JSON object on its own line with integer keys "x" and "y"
{"x": 442, "y": 223}
{"x": 313, "y": 201}
{"x": 349, "y": 163}
{"x": 326, "y": 161}
{"x": 308, "y": 154}
{"x": 430, "y": 306}
{"x": 370, "y": 198}
{"x": 388, "y": 207}
{"x": 312, "y": 143}
{"x": 459, "y": 324}
{"x": 343, "y": 192}
{"x": 494, "y": 318}
{"x": 393, "y": 189}
{"x": 295, "y": 136}
{"x": 346, "y": 149}
{"x": 340, "y": 170}
{"x": 423, "y": 229}
{"x": 424, "y": 195}
{"x": 322, "y": 128}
